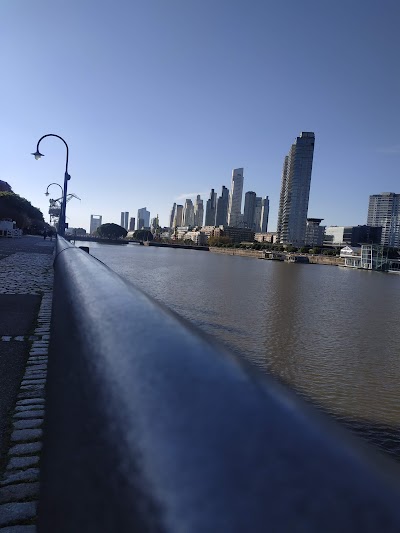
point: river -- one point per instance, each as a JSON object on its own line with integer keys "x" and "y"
{"x": 330, "y": 333}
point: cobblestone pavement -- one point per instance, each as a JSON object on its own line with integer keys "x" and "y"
{"x": 26, "y": 269}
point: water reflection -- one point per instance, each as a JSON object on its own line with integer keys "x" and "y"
{"x": 330, "y": 333}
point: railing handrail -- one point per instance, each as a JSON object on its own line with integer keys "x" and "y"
{"x": 150, "y": 426}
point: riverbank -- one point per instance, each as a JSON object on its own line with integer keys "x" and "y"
{"x": 260, "y": 254}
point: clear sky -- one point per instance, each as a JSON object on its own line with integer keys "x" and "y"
{"x": 161, "y": 98}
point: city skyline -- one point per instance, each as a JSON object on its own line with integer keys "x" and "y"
{"x": 172, "y": 120}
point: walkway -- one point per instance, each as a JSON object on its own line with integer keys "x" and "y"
{"x": 26, "y": 280}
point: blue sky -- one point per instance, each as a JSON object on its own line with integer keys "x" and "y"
{"x": 161, "y": 98}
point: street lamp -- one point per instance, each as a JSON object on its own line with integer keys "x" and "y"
{"x": 50, "y": 184}
{"x": 38, "y": 155}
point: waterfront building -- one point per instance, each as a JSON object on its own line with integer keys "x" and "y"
{"x": 269, "y": 237}
{"x": 235, "y": 234}
{"x": 352, "y": 235}
{"x": 172, "y": 216}
{"x": 314, "y": 232}
{"x": 264, "y": 215}
{"x": 384, "y": 211}
{"x": 368, "y": 257}
{"x": 295, "y": 191}
{"x": 249, "y": 215}
{"x": 124, "y": 219}
{"x": 211, "y": 208}
{"x": 198, "y": 237}
{"x": 178, "y": 216}
{"x": 155, "y": 225}
{"x": 188, "y": 213}
{"x": 95, "y": 222}
{"x": 132, "y": 224}
{"x": 221, "y": 217}
{"x": 198, "y": 212}
{"x": 143, "y": 218}
{"x": 235, "y": 197}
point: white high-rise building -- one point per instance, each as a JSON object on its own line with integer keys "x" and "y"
{"x": 295, "y": 191}
{"x": 198, "y": 212}
{"x": 178, "y": 216}
{"x": 143, "y": 218}
{"x": 125, "y": 219}
{"x": 235, "y": 198}
{"x": 172, "y": 216}
{"x": 188, "y": 213}
{"x": 384, "y": 211}
{"x": 264, "y": 214}
{"x": 95, "y": 222}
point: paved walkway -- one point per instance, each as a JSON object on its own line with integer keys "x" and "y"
{"x": 26, "y": 280}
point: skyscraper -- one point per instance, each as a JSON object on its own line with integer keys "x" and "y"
{"x": 178, "y": 216}
{"x": 124, "y": 219}
{"x": 211, "y": 208}
{"x": 257, "y": 214}
{"x": 188, "y": 213}
{"x": 295, "y": 191}
{"x": 198, "y": 212}
{"x": 95, "y": 222}
{"x": 264, "y": 214}
{"x": 172, "y": 216}
{"x": 221, "y": 217}
{"x": 235, "y": 197}
{"x": 132, "y": 224}
{"x": 384, "y": 211}
{"x": 143, "y": 218}
{"x": 250, "y": 209}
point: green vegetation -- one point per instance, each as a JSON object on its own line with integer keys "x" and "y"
{"x": 111, "y": 231}
{"x": 14, "y": 207}
{"x": 143, "y": 235}
{"x": 219, "y": 241}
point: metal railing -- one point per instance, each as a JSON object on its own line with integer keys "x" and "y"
{"x": 150, "y": 426}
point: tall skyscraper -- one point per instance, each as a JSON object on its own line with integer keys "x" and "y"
{"x": 178, "y": 216}
{"x": 211, "y": 208}
{"x": 264, "y": 215}
{"x": 172, "y": 216}
{"x": 257, "y": 214}
{"x": 143, "y": 218}
{"x": 295, "y": 191}
{"x": 235, "y": 197}
{"x": 124, "y": 219}
{"x": 249, "y": 209}
{"x": 188, "y": 213}
{"x": 198, "y": 212}
{"x": 95, "y": 222}
{"x": 132, "y": 224}
{"x": 221, "y": 218}
{"x": 384, "y": 211}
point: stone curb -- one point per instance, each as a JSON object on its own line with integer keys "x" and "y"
{"x": 19, "y": 487}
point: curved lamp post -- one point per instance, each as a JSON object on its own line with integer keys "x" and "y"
{"x": 38, "y": 155}
{"x": 49, "y": 185}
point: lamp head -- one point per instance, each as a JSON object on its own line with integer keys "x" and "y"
{"x": 47, "y": 193}
{"x": 37, "y": 154}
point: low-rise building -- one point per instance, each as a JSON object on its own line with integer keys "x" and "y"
{"x": 197, "y": 237}
{"x": 237, "y": 235}
{"x": 314, "y": 232}
{"x": 352, "y": 235}
{"x": 269, "y": 236}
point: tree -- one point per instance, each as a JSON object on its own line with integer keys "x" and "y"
{"x": 16, "y": 208}
{"x": 143, "y": 235}
{"x": 5, "y": 187}
{"x": 218, "y": 241}
{"x": 111, "y": 231}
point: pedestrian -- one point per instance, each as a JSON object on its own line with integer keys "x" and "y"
{"x": 44, "y": 234}
{"x": 51, "y": 234}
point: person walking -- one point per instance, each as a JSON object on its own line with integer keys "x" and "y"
{"x": 44, "y": 234}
